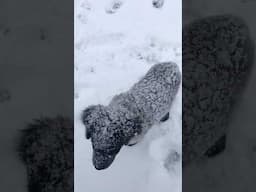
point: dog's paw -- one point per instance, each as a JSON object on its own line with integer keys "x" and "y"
{"x": 132, "y": 144}
{"x": 165, "y": 118}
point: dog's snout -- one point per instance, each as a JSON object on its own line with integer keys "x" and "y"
{"x": 102, "y": 161}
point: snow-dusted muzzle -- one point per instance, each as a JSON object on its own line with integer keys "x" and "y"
{"x": 102, "y": 160}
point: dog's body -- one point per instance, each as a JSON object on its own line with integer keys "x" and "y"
{"x": 217, "y": 59}
{"x": 129, "y": 115}
{"x": 46, "y": 147}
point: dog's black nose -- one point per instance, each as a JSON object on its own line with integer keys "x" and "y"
{"x": 100, "y": 166}
{"x": 102, "y": 161}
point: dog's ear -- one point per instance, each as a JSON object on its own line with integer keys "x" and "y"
{"x": 87, "y": 119}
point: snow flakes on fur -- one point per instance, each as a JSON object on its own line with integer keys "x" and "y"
{"x": 129, "y": 115}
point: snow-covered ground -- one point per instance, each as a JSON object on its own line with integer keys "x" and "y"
{"x": 114, "y": 47}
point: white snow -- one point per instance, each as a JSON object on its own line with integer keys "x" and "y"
{"x": 113, "y": 49}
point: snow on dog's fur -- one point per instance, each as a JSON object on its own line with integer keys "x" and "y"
{"x": 129, "y": 115}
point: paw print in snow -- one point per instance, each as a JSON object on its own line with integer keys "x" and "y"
{"x": 158, "y": 3}
{"x": 114, "y": 6}
{"x": 173, "y": 157}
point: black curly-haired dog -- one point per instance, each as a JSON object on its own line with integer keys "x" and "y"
{"x": 46, "y": 148}
{"x": 129, "y": 115}
{"x": 217, "y": 57}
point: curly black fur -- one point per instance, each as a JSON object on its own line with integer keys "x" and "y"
{"x": 46, "y": 148}
{"x": 217, "y": 57}
{"x": 129, "y": 115}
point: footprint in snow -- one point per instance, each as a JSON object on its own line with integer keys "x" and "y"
{"x": 158, "y": 3}
{"x": 113, "y": 6}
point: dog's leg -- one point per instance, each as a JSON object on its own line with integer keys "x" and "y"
{"x": 165, "y": 117}
{"x": 131, "y": 144}
{"x": 136, "y": 139}
{"x": 217, "y": 148}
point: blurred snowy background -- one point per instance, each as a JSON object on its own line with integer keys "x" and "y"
{"x": 34, "y": 36}
{"x": 116, "y": 42}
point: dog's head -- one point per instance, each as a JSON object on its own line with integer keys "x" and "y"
{"x": 107, "y": 134}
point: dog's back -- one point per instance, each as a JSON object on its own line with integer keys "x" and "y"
{"x": 155, "y": 92}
